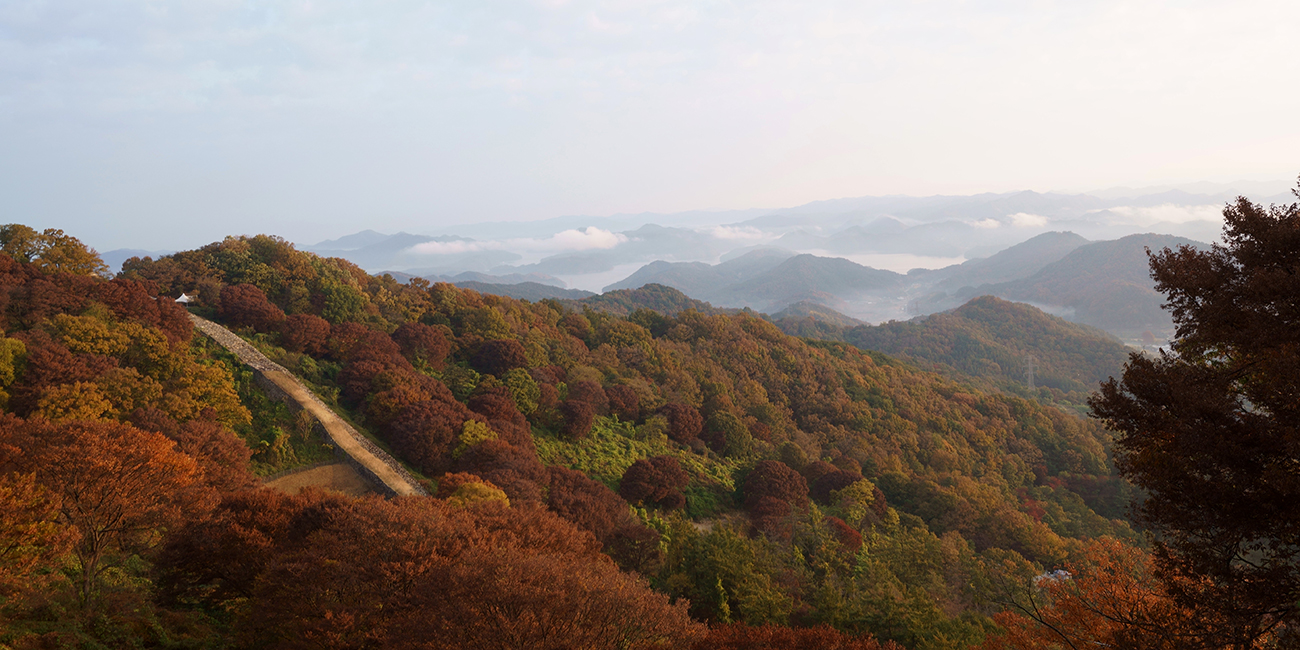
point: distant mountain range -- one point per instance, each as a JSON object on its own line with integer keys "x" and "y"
{"x": 1105, "y": 284}
{"x": 1101, "y": 283}
{"x": 869, "y": 259}
{"x": 595, "y": 252}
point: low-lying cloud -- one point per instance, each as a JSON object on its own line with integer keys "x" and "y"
{"x": 738, "y": 232}
{"x": 590, "y": 238}
{"x": 1017, "y": 220}
{"x": 586, "y": 239}
{"x": 1170, "y": 213}
{"x": 1026, "y": 220}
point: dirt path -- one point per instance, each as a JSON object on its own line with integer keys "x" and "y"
{"x": 369, "y": 461}
{"x": 339, "y": 477}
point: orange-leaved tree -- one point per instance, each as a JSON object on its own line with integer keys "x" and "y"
{"x": 1107, "y": 598}
{"x": 118, "y": 487}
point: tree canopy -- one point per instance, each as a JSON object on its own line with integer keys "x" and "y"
{"x": 1210, "y": 428}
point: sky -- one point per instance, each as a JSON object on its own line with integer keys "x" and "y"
{"x": 159, "y": 124}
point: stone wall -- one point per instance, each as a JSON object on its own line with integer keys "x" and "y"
{"x": 373, "y": 463}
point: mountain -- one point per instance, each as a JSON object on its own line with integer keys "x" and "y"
{"x": 825, "y": 280}
{"x": 811, "y": 320}
{"x": 1105, "y": 284}
{"x": 349, "y": 242}
{"x": 816, "y": 312}
{"x": 1019, "y": 261}
{"x": 547, "y": 421}
{"x": 993, "y": 339}
{"x": 512, "y": 278}
{"x": 700, "y": 279}
{"x": 531, "y": 291}
{"x": 115, "y": 257}
{"x": 647, "y": 243}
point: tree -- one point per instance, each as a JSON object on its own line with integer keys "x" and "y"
{"x": 516, "y": 471}
{"x": 497, "y": 356}
{"x": 655, "y": 481}
{"x": 738, "y": 636}
{"x": 775, "y": 479}
{"x": 118, "y": 486}
{"x": 221, "y": 455}
{"x": 1107, "y": 598}
{"x": 684, "y": 422}
{"x": 422, "y": 343}
{"x": 586, "y": 503}
{"x": 624, "y": 402}
{"x": 772, "y": 491}
{"x": 305, "y": 333}
{"x": 31, "y": 536}
{"x": 578, "y": 417}
{"x": 244, "y": 305}
{"x": 831, "y": 482}
{"x": 1209, "y": 430}
{"x": 591, "y": 393}
{"x": 313, "y": 571}
{"x": 50, "y": 250}
{"x": 423, "y": 433}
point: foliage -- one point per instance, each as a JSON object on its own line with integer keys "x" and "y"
{"x": 117, "y": 485}
{"x": 244, "y": 305}
{"x": 657, "y": 481}
{"x": 31, "y": 535}
{"x": 481, "y": 575}
{"x": 1106, "y": 598}
{"x": 1208, "y": 430}
{"x": 913, "y": 478}
{"x": 50, "y": 250}
{"x": 774, "y": 637}
{"x": 654, "y": 297}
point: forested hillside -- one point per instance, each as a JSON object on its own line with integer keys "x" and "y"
{"x": 675, "y": 474}
{"x": 991, "y": 340}
{"x": 782, "y": 453}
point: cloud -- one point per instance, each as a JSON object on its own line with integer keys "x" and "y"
{"x": 987, "y": 223}
{"x": 1026, "y": 220}
{"x": 569, "y": 240}
{"x": 738, "y": 232}
{"x": 586, "y": 239}
{"x": 1170, "y": 213}
{"x": 454, "y": 247}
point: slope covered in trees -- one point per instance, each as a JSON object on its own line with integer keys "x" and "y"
{"x": 994, "y": 340}
{"x": 129, "y": 515}
{"x": 772, "y": 480}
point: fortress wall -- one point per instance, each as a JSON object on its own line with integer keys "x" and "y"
{"x": 374, "y": 464}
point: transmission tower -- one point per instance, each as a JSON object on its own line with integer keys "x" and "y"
{"x": 1029, "y": 371}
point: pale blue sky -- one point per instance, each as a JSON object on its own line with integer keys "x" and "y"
{"x": 165, "y": 124}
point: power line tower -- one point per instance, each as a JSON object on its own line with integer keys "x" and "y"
{"x": 1029, "y": 371}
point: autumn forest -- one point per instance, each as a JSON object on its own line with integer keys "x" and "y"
{"x": 645, "y": 476}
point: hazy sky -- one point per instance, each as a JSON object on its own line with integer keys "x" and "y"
{"x": 165, "y": 124}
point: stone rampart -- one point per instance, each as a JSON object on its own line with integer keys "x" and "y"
{"x": 373, "y": 463}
